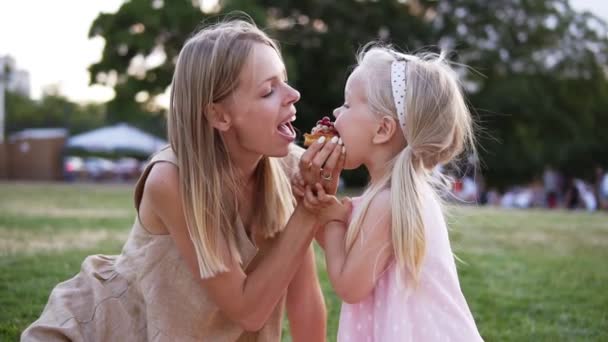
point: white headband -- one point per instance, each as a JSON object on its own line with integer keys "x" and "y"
{"x": 398, "y": 69}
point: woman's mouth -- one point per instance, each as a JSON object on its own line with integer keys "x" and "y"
{"x": 286, "y": 130}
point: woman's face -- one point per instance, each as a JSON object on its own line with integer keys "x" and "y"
{"x": 355, "y": 122}
{"x": 262, "y": 106}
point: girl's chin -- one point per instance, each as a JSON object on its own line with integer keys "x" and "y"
{"x": 351, "y": 166}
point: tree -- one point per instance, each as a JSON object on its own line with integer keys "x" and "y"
{"x": 541, "y": 99}
{"x": 539, "y": 93}
{"x": 53, "y": 110}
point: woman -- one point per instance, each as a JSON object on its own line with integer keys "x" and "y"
{"x": 219, "y": 246}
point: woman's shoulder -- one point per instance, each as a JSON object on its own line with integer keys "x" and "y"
{"x": 161, "y": 197}
{"x": 160, "y": 175}
{"x": 295, "y": 152}
{"x": 291, "y": 160}
{"x": 162, "y": 183}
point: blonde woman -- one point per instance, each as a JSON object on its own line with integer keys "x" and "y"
{"x": 219, "y": 248}
{"x": 392, "y": 264}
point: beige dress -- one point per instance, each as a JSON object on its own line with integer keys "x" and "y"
{"x": 147, "y": 293}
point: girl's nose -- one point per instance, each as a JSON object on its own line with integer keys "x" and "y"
{"x": 336, "y": 112}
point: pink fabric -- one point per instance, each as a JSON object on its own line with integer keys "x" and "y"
{"x": 394, "y": 311}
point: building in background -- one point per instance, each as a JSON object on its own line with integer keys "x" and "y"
{"x": 17, "y": 80}
{"x": 36, "y": 154}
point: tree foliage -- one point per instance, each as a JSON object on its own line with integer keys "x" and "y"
{"x": 539, "y": 87}
{"x": 53, "y": 110}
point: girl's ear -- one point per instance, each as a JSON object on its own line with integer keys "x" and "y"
{"x": 218, "y": 117}
{"x": 386, "y": 129}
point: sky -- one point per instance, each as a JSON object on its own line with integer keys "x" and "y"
{"x": 50, "y": 40}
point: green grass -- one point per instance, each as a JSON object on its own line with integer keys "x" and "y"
{"x": 527, "y": 275}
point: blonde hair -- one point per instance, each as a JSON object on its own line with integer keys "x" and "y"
{"x": 207, "y": 71}
{"x": 438, "y": 128}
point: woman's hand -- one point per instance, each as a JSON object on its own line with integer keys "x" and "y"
{"x": 322, "y": 163}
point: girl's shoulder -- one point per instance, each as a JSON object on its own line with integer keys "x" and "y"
{"x": 378, "y": 209}
{"x": 379, "y": 201}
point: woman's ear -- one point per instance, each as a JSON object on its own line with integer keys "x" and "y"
{"x": 386, "y": 129}
{"x": 218, "y": 117}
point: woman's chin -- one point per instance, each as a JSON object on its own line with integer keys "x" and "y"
{"x": 281, "y": 153}
{"x": 278, "y": 151}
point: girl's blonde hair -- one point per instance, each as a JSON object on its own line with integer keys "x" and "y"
{"x": 438, "y": 128}
{"x": 207, "y": 71}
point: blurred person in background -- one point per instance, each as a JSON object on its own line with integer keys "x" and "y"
{"x": 552, "y": 185}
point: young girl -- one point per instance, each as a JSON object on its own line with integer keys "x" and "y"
{"x": 392, "y": 263}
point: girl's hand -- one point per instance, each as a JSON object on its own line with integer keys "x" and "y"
{"x": 327, "y": 207}
{"x": 298, "y": 186}
{"x": 322, "y": 163}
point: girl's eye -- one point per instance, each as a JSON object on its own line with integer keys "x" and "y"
{"x": 345, "y": 105}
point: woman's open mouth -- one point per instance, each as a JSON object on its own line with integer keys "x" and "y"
{"x": 286, "y": 130}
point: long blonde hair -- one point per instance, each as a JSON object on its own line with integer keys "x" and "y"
{"x": 207, "y": 71}
{"x": 438, "y": 128}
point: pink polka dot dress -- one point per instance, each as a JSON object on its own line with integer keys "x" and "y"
{"x": 434, "y": 311}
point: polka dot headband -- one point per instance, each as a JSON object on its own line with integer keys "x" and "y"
{"x": 398, "y": 70}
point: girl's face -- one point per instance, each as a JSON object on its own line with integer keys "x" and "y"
{"x": 261, "y": 108}
{"x": 355, "y": 122}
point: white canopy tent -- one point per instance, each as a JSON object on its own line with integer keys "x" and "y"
{"x": 120, "y": 137}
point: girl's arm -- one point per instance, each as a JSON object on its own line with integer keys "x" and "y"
{"x": 353, "y": 275}
{"x": 247, "y": 299}
{"x": 305, "y": 304}
{"x": 298, "y": 187}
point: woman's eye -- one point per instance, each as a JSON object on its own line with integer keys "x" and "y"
{"x": 269, "y": 93}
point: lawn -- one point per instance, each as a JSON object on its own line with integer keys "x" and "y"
{"x": 527, "y": 275}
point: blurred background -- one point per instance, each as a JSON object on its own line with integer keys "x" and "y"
{"x": 536, "y": 81}
{"x": 84, "y": 94}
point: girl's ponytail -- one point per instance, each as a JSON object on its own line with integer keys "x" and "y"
{"x": 407, "y": 227}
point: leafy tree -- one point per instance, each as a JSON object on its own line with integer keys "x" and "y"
{"x": 53, "y": 110}
{"x": 539, "y": 89}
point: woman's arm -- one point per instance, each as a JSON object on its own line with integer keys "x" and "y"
{"x": 353, "y": 275}
{"x": 305, "y": 303}
{"x": 246, "y": 299}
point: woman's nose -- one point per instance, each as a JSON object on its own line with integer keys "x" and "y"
{"x": 293, "y": 95}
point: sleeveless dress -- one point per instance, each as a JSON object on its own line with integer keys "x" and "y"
{"x": 147, "y": 293}
{"x": 434, "y": 311}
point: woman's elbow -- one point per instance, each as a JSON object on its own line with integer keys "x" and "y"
{"x": 254, "y": 320}
{"x": 252, "y": 324}
{"x": 248, "y": 320}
